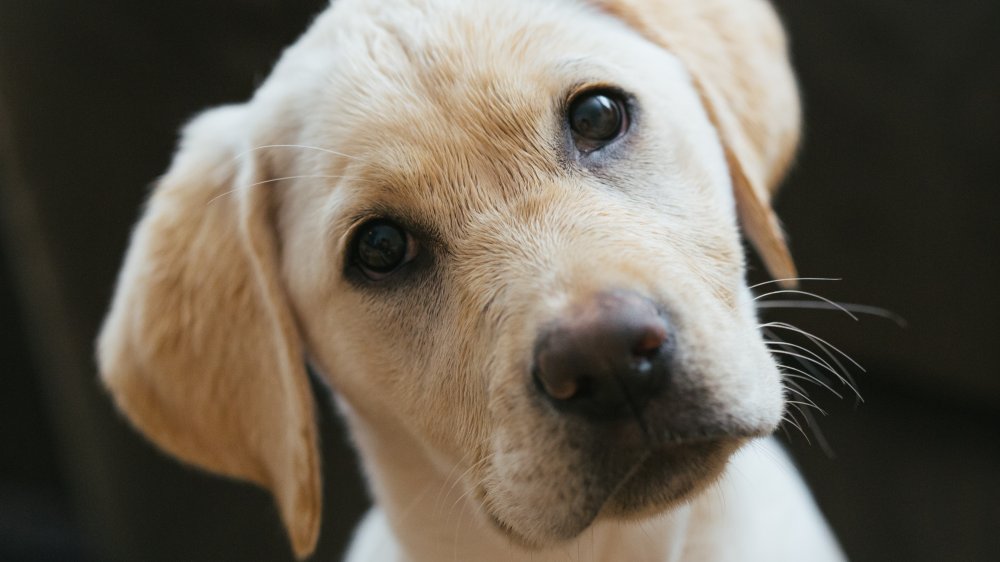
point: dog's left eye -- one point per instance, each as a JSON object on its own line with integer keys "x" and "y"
{"x": 381, "y": 247}
{"x": 597, "y": 118}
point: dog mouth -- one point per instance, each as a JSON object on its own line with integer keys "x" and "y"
{"x": 650, "y": 483}
{"x": 668, "y": 476}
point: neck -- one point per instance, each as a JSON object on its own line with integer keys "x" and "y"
{"x": 432, "y": 518}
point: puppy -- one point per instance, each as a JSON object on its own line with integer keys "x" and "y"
{"x": 506, "y": 233}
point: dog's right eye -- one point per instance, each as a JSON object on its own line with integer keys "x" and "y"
{"x": 381, "y": 247}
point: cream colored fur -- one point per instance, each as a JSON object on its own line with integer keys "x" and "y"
{"x": 448, "y": 115}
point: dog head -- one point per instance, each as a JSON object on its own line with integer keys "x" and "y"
{"x": 510, "y": 231}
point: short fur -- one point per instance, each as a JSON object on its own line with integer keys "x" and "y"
{"x": 449, "y": 117}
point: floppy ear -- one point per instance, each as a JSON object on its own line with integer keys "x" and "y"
{"x": 200, "y": 349}
{"x": 736, "y": 55}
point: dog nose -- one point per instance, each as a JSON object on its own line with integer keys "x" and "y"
{"x": 606, "y": 357}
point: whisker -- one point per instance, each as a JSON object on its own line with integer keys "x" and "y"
{"x": 221, "y": 195}
{"x": 846, "y": 379}
{"x": 796, "y": 389}
{"x": 272, "y": 180}
{"x": 811, "y": 360}
{"x": 791, "y": 419}
{"x": 808, "y": 294}
{"x": 784, "y": 429}
{"x": 752, "y": 287}
{"x": 824, "y": 445}
{"x": 811, "y": 353}
{"x": 815, "y": 339}
{"x": 464, "y": 495}
{"x": 817, "y": 364}
{"x": 853, "y": 307}
{"x": 304, "y": 146}
{"x": 804, "y": 376}
{"x": 456, "y": 481}
{"x": 825, "y": 346}
{"x": 793, "y": 387}
{"x": 817, "y": 375}
{"x": 805, "y": 404}
{"x": 808, "y": 366}
{"x": 445, "y": 489}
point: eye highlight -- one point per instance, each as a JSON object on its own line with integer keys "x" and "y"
{"x": 381, "y": 247}
{"x": 597, "y": 118}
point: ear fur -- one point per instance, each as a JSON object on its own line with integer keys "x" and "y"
{"x": 200, "y": 349}
{"x": 736, "y": 55}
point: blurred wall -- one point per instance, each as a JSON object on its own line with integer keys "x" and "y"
{"x": 896, "y": 188}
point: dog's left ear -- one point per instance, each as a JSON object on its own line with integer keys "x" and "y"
{"x": 736, "y": 55}
{"x": 200, "y": 349}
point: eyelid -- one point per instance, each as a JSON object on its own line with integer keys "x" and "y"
{"x": 594, "y": 86}
{"x": 426, "y": 235}
{"x": 406, "y": 221}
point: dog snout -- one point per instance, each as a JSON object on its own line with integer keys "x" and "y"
{"x": 606, "y": 357}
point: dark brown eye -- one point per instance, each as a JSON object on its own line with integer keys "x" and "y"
{"x": 597, "y": 118}
{"x": 382, "y": 247}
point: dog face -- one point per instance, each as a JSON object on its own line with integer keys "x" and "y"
{"x": 515, "y": 225}
{"x": 518, "y": 242}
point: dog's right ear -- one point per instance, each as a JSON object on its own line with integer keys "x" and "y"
{"x": 200, "y": 349}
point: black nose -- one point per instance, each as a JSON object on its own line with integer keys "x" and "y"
{"x": 606, "y": 357}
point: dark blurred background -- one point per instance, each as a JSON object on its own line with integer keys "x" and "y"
{"x": 896, "y": 193}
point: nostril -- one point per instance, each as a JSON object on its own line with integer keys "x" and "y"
{"x": 651, "y": 341}
{"x": 555, "y": 386}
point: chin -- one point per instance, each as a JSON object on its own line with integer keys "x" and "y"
{"x": 658, "y": 481}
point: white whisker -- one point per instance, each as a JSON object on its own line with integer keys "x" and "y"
{"x": 806, "y": 404}
{"x": 814, "y": 338}
{"x": 272, "y": 180}
{"x": 797, "y": 390}
{"x": 826, "y": 347}
{"x": 808, "y": 294}
{"x": 846, "y": 377}
{"x": 810, "y": 352}
{"x": 804, "y": 376}
{"x": 817, "y": 364}
{"x": 811, "y": 360}
{"x": 221, "y": 195}
{"x": 790, "y": 418}
{"x": 853, "y": 307}
{"x": 752, "y": 287}
{"x": 303, "y": 146}
{"x": 456, "y": 481}
{"x": 824, "y": 445}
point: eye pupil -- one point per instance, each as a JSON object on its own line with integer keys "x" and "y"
{"x": 381, "y": 247}
{"x": 597, "y": 117}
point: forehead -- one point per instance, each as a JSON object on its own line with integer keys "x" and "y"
{"x": 465, "y": 90}
{"x": 449, "y": 109}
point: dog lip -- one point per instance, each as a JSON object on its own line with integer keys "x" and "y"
{"x": 657, "y": 488}
{"x": 676, "y": 483}
{"x": 665, "y": 439}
